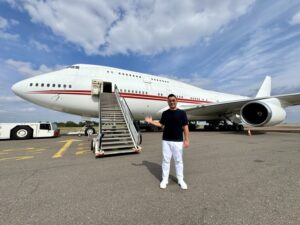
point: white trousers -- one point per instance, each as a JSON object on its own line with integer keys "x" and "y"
{"x": 169, "y": 149}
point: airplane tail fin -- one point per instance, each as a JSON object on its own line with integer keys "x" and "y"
{"x": 265, "y": 88}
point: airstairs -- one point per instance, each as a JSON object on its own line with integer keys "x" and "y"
{"x": 117, "y": 132}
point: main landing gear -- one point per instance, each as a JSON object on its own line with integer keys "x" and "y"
{"x": 223, "y": 126}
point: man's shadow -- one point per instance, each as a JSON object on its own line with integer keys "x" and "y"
{"x": 154, "y": 169}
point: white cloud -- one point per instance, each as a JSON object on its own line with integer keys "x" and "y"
{"x": 28, "y": 109}
{"x": 39, "y": 46}
{"x": 4, "y": 25}
{"x": 27, "y": 68}
{"x": 143, "y": 27}
{"x": 296, "y": 19}
{"x": 6, "y": 99}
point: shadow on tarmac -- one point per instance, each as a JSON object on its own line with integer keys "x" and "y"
{"x": 154, "y": 169}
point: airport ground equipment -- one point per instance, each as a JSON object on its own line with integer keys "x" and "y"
{"x": 21, "y": 131}
{"x": 117, "y": 131}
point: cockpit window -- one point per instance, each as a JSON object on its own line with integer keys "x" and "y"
{"x": 74, "y": 67}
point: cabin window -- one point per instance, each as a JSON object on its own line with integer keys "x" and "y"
{"x": 45, "y": 126}
{"x": 70, "y": 86}
{"x": 53, "y": 85}
{"x": 59, "y": 85}
{"x": 48, "y": 85}
{"x": 36, "y": 84}
{"x": 30, "y": 84}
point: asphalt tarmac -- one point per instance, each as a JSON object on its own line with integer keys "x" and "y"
{"x": 233, "y": 178}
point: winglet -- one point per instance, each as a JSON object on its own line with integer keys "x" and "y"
{"x": 265, "y": 88}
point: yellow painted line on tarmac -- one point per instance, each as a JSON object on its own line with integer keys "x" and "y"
{"x": 9, "y": 150}
{"x": 81, "y": 152}
{"x": 3, "y": 153}
{"x": 17, "y": 158}
{"x": 25, "y": 157}
{"x": 19, "y": 149}
{"x": 66, "y": 146}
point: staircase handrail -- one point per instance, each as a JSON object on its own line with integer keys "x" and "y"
{"x": 128, "y": 117}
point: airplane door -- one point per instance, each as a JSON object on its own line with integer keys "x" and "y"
{"x": 148, "y": 91}
{"x": 99, "y": 86}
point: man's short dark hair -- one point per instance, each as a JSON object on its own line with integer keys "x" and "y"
{"x": 171, "y": 95}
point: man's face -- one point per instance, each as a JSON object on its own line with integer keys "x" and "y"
{"x": 172, "y": 101}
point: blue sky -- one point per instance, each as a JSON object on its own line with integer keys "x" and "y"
{"x": 223, "y": 45}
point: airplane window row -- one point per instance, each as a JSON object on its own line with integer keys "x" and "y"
{"x": 49, "y": 85}
{"x": 159, "y": 80}
{"x": 160, "y": 94}
{"x": 199, "y": 99}
{"x": 132, "y": 91}
{"x": 130, "y": 75}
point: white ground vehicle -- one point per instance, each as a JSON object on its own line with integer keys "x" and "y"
{"x": 23, "y": 131}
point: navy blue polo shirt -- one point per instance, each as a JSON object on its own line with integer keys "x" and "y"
{"x": 173, "y": 121}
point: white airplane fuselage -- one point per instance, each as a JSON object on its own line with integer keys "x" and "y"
{"x": 69, "y": 90}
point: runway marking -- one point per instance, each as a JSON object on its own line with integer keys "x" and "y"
{"x": 17, "y": 158}
{"x": 8, "y": 150}
{"x": 66, "y": 146}
{"x": 23, "y": 150}
{"x": 3, "y": 153}
{"x": 81, "y": 152}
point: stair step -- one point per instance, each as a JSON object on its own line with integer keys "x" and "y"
{"x": 117, "y": 147}
{"x": 119, "y": 152}
{"x": 116, "y": 138}
{"x": 114, "y": 122}
{"x": 116, "y": 135}
{"x": 106, "y": 143}
{"x": 117, "y": 128}
{"x": 115, "y": 132}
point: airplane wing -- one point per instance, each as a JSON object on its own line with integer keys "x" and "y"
{"x": 222, "y": 108}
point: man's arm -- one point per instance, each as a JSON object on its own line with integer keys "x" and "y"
{"x": 186, "y": 132}
{"x": 149, "y": 120}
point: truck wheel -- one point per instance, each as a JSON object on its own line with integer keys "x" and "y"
{"x": 21, "y": 133}
{"x": 89, "y": 131}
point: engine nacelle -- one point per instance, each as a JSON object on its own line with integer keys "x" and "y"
{"x": 268, "y": 112}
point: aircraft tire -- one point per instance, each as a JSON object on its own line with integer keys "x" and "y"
{"x": 89, "y": 130}
{"x": 21, "y": 133}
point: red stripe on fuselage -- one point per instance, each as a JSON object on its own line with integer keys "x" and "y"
{"x": 122, "y": 94}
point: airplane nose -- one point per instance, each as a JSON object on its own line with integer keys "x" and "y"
{"x": 17, "y": 88}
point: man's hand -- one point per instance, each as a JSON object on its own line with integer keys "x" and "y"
{"x": 186, "y": 144}
{"x": 148, "y": 119}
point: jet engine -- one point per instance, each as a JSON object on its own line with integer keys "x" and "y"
{"x": 268, "y": 112}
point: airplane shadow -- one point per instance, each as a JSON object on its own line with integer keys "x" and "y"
{"x": 154, "y": 169}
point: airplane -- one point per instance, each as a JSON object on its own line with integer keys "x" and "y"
{"x": 69, "y": 90}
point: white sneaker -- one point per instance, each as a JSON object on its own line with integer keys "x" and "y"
{"x": 183, "y": 185}
{"x": 163, "y": 185}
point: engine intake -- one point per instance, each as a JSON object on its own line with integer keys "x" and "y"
{"x": 263, "y": 113}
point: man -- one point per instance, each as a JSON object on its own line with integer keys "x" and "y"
{"x": 174, "y": 121}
